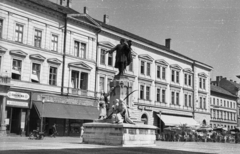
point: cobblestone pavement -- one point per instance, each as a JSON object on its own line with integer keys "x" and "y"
{"x": 73, "y": 145}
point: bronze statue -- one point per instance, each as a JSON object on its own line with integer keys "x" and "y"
{"x": 123, "y": 55}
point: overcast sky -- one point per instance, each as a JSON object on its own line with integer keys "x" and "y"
{"x": 205, "y": 30}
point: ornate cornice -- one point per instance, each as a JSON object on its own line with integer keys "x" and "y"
{"x": 19, "y": 53}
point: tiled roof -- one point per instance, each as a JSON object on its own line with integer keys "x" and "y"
{"x": 220, "y": 90}
{"x": 235, "y": 84}
{"x": 125, "y": 33}
{"x": 54, "y": 6}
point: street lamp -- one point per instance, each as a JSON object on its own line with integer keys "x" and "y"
{"x": 43, "y": 101}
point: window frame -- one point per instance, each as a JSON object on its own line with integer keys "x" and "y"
{"x": 17, "y": 32}
{"x": 37, "y": 38}
{"x": 54, "y": 43}
{"x": 102, "y": 56}
{"x": 51, "y": 79}
{"x": 1, "y": 28}
{"x": 19, "y": 69}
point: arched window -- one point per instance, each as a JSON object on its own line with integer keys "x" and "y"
{"x": 144, "y": 119}
{"x": 204, "y": 122}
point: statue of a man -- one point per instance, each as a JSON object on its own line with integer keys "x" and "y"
{"x": 123, "y": 55}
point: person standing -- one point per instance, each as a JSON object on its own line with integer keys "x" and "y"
{"x": 54, "y": 130}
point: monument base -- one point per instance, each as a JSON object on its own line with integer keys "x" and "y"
{"x": 119, "y": 134}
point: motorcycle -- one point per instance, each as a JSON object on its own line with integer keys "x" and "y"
{"x": 35, "y": 134}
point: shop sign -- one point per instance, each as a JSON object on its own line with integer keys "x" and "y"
{"x": 148, "y": 108}
{"x": 140, "y": 107}
{"x": 17, "y": 103}
{"x": 62, "y": 99}
{"x": 18, "y": 95}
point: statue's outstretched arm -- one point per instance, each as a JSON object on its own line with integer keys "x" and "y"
{"x": 111, "y": 50}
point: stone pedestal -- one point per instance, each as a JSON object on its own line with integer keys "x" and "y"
{"x": 119, "y": 134}
{"x": 104, "y": 132}
{"x": 122, "y": 87}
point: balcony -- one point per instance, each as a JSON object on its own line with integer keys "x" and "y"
{"x": 5, "y": 80}
{"x": 80, "y": 92}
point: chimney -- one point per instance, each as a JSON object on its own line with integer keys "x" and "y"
{"x": 69, "y": 3}
{"x": 85, "y": 10}
{"x": 168, "y": 43}
{"x": 106, "y": 19}
{"x": 66, "y": 3}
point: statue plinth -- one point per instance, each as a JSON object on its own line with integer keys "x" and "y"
{"x": 107, "y": 133}
{"x": 125, "y": 135}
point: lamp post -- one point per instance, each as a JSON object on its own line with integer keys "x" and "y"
{"x": 43, "y": 101}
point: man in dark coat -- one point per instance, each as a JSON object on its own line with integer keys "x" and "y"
{"x": 123, "y": 55}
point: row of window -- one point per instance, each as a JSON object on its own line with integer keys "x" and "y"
{"x": 222, "y": 102}
{"x": 221, "y": 125}
{"x": 79, "y": 47}
{"x": 79, "y": 80}
{"x": 223, "y": 115}
{"x": 36, "y": 71}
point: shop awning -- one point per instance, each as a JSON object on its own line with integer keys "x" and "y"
{"x": 66, "y": 111}
{"x": 177, "y": 120}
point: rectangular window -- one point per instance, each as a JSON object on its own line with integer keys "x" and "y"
{"x": 213, "y": 101}
{"x": 177, "y": 77}
{"x": 173, "y": 76}
{"x": 224, "y": 103}
{"x": 102, "y": 57}
{"x": 158, "y": 71}
{"x": 0, "y": 62}
{"x": 83, "y": 50}
{"x": 35, "y": 73}
{"x": 147, "y": 93}
{"x": 200, "y": 103}
{"x": 185, "y": 99}
{"x": 141, "y": 92}
{"x": 177, "y": 98}
{"x": 185, "y": 79}
{"x": 200, "y": 83}
{"x": 76, "y": 48}
{"x": 190, "y": 100}
{"x": 163, "y": 73}
{"x": 1, "y": 27}
{"x": 158, "y": 95}
{"x": 37, "y": 38}
{"x": 110, "y": 59}
{"x": 190, "y": 80}
{"x": 54, "y": 43}
{"x": 108, "y": 84}
{"x": 173, "y": 97}
{"x": 84, "y": 81}
{"x": 101, "y": 84}
{"x": 75, "y": 79}
{"x": 53, "y": 76}
{"x": 204, "y": 103}
{"x": 148, "y": 69}
{"x": 163, "y": 95}
{"x": 16, "y": 69}
{"x": 204, "y": 83}
{"x": 142, "y": 67}
{"x": 19, "y": 33}
{"x": 130, "y": 67}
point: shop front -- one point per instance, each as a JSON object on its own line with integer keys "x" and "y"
{"x": 67, "y": 112}
{"x": 17, "y": 111}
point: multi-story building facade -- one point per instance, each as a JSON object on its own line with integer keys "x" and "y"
{"x": 223, "y": 108}
{"x": 50, "y": 57}
{"x": 234, "y": 88}
{"x": 56, "y": 64}
{"x": 172, "y": 89}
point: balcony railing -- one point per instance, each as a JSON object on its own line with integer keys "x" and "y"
{"x": 5, "y": 80}
{"x": 81, "y": 92}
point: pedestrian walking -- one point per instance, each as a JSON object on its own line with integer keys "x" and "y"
{"x": 54, "y": 130}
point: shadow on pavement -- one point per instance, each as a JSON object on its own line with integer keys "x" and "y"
{"x": 118, "y": 150}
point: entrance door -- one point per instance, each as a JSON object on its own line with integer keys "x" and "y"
{"x": 16, "y": 120}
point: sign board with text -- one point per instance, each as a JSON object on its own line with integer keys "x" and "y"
{"x": 18, "y": 99}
